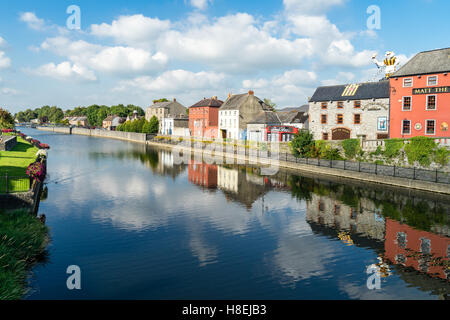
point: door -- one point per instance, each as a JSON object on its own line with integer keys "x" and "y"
{"x": 340, "y": 134}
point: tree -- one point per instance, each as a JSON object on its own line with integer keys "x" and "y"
{"x": 160, "y": 100}
{"x": 271, "y": 104}
{"x": 154, "y": 125}
{"x": 6, "y": 120}
{"x": 302, "y": 144}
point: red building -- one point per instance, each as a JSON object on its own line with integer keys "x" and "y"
{"x": 421, "y": 250}
{"x": 420, "y": 96}
{"x": 204, "y": 118}
{"x": 203, "y": 174}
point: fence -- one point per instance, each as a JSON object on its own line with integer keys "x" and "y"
{"x": 373, "y": 168}
{"x": 14, "y": 184}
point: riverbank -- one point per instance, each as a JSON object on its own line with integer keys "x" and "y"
{"x": 355, "y": 175}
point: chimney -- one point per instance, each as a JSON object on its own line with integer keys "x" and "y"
{"x": 174, "y": 100}
{"x": 251, "y": 93}
{"x": 214, "y": 98}
{"x": 229, "y": 95}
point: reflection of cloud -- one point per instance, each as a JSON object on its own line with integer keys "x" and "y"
{"x": 206, "y": 254}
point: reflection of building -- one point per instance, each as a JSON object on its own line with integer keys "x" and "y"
{"x": 364, "y": 219}
{"x": 227, "y": 179}
{"x": 203, "y": 174}
{"x": 424, "y": 251}
{"x": 350, "y": 111}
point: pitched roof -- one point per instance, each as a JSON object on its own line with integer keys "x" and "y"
{"x": 235, "y": 102}
{"x": 293, "y": 117}
{"x": 266, "y": 117}
{"x": 211, "y": 102}
{"x": 362, "y": 91}
{"x": 426, "y": 62}
{"x": 303, "y": 108}
{"x": 174, "y": 107}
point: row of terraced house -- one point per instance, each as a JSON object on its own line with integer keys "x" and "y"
{"x": 414, "y": 101}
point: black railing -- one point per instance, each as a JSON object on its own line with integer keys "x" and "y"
{"x": 364, "y": 167}
{"x": 14, "y": 184}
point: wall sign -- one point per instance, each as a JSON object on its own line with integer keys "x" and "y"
{"x": 382, "y": 124}
{"x": 433, "y": 90}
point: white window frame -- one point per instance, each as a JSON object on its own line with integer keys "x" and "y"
{"x": 403, "y": 103}
{"x": 410, "y": 129}
{"x": 432, "y": 85}
{"x": 435, "y": 102}
{"x": 412, "y": 82}
{"x": 426, "y": 127}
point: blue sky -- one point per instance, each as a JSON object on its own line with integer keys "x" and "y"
{"x": 136, "y": 51}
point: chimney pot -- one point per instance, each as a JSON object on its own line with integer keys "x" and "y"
{"x": 251, "y": 93}
{"x": 174, "y": 100}
{"x": 229, "y": 95}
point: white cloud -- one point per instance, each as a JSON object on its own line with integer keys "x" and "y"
{"x": 5, "y": 62}
{"x": 32, "y": 20}
{"x": 175, "y": 81}
{"x": 65, "y": 71}
{"x": 200, "y": 4}
{"x": 310, "y": 6}
{"x": 8, "y": 91}
{"x": 342, "y": 53}
{"x": 132, "y": 29}
{"x": 3, "y": 42}
{"x": 341, "y": 78}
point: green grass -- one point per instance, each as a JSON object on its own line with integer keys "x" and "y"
{"x": 15, "y": 164}
{"x": 23, "y": 242}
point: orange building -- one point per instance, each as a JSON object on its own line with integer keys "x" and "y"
{"x": 420, "y": 96}
{"x": 204, "y": 118}
{"x": 421, "y": 250}
{"x": 203, "y": 174}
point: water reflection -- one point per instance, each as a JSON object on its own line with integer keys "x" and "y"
{"x": 226, "y": 231}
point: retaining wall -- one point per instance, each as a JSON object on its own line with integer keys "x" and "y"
{"x": 7, "y": 143}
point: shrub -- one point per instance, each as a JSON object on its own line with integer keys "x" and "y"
{"x": 441, "y": 156}
{"x": 351, "y": 147}
{"x": 333, "y": 154}
{"x": 393, "y": 147}
{"x": 420, "y": 149}
{"x": 302, "y": 144}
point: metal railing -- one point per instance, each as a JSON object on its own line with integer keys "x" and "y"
{"x": 14, "y": 184}
{"x": 364, "y": 167}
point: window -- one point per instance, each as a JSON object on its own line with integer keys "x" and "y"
{"x": 321, "y": 206}
{"x": 431, "y": 126}
{"x": 357, "y": 104}
{"x": 406, "y": 127}
{"x": 324, "y": 105}
{"x": 340, "y": 105}
{"x": 407, "y": 83}
{"x": 323, "y": 119}
{"x": 406, "y": 104}
{"x": 325, "y": 136}
{"x": 340, "y": 119}
{"x": 432, "y": 81}
{"x": 431, "y": 102}
{"x": 357, "y": 119}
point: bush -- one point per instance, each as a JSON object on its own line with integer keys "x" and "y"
{"x": 393, "y": 147}
{"x": 441, "y": 156}
{"x": 420, "y": 149}
{"x": 302, "y": 144}
{"x": 351, "y": 147}
{"x": 333, "y": 154}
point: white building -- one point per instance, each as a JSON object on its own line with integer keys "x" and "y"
{"x": 175, "y": 126}
{"x": 350, "y": 111}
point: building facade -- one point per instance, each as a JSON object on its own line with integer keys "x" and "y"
{"x": 268, "y": 126}
{"x": 237, "y": 112}
{"x": 163, "y": 110}
{"x": 204, "y": 118}
{"x": 176, "y": 126}
{"x": 420, "y": 96}
{"x": 350, "y": 111}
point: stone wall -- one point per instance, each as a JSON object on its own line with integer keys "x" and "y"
{"x": 7, "y": 143}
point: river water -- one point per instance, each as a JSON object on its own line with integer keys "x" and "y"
{"x": 140, "y": 226}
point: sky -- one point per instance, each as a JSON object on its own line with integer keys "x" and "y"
{"x": 133, "y": 52}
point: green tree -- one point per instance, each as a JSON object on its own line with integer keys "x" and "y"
{"x": 154, "y": 125}
{"x": 302, "y": 144}
{"x": 6, "y": 120}
{"x": 271, "y": 104}
{"x": 160, "y": 100}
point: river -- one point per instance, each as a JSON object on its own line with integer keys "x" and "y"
{"x": 140, "y": 226}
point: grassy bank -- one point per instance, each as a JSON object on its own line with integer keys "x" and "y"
{"x": 15, "y": 164}
{"x": 23, "y": 242}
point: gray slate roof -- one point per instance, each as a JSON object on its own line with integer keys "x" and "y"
{"x": 426, "y": 62}
{"x": 266, "y": 117}
{"x": 303, "y": 108}
{"x": 293, "y": 117}
{"x": 369, "y": 90}
{"x": 208, "y": 103}
{"x": 237, "y": 101}
{"x": 174, "y": 107}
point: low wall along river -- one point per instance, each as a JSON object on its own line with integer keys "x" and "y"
{"x": 142, "y": 138}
